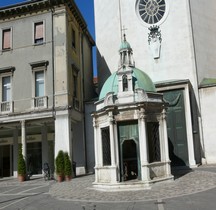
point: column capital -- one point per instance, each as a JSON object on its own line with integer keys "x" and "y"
{"x": 95, "y": 123}
{"x": 142, "y": 115}
{"x": 22, "y": 122}
{"x": 163, "y": 115}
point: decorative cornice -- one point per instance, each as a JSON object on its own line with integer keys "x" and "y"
{"x": 29, "y": 7}
{"x": 7, "y": 69}
{"x": 39, "y": 64}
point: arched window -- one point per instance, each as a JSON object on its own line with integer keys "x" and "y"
{"x": 125, "y": 83}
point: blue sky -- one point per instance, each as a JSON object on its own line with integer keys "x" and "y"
{"x": 87, "y": 9}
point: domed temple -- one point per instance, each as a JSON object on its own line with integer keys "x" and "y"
{"x": 130, "y": 131}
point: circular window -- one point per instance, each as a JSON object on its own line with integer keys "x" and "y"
{"x": 151, "y": 11}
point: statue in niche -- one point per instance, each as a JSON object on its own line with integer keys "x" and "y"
{"x": 154, "y": 40}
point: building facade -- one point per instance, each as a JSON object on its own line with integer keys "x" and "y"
{"x": 174, "y": 43}
{"x": 45, "y": 76}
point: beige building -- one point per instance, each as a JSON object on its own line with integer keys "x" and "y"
{"x": 45, "y": 77}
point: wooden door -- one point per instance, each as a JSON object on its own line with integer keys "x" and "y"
{"x": 176, "y": 126}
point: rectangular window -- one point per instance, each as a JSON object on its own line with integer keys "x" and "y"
{"x": 153, "y": 141}
{"x": 106, "y": 146}
{"x": 39, "y": 83}
{"x": 75, "y": 85}
{"x": 73, "y": 39}
{"x": 39, "y": 33}
{"x": 6, "y": 89}
{"x": 6, "y": 39}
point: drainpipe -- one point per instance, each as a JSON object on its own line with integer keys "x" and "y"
{"x": 53, "y": 62}
{"x": 203, "y": 155}
{"x": 83, "y": 97}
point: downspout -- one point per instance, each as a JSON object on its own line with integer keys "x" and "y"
{"x": 53, "y": 67}
{"x": 83, "y": 97}
{"x": 198, "y": 96}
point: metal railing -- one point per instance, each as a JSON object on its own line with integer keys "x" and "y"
{"x": 7, "y": 106}
{"x": 40, "y": 102}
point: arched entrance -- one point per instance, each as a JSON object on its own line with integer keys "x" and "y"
{"x": 129, "y": 160}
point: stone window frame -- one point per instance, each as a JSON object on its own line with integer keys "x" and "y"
{"x": 38, "y": 67}
{"x": 75, "y": 82}
{"x": 73, "y": 38}
{"x": 105, "y": 144}
{"x": 7, "y": 72}
{"x": 34, "y": 30}
{"x": 167, "y": 3}
{"x": 2, "y": 39}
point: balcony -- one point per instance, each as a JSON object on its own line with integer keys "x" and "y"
{"x": 6, "y": 106}
{"x": 40, "y": 102}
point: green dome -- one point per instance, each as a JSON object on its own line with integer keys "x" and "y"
{"x": 140, "y": 80}
{"x": 124, "y": 45}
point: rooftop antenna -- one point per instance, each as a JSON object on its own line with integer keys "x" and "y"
{"x": 120, "y": 19}
{"x": 124, "y": 34}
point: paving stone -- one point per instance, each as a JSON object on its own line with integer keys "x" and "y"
{"x": 80, "y": 189}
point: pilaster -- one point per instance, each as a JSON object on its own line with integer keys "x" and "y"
{"x": 143, "y": 143}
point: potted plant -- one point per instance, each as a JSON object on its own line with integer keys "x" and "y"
{"x": 21, "y": 166}
{"x": 60, "y": 166}
{"x": 68, "y": 167}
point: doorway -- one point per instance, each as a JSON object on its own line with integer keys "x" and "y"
{"x": 129, "y": 160}
{"x": 34, "y": 157}
{"x": 128, "y": 136}
{"x": 5, "y": 161}
{"x": 176, "y": 127}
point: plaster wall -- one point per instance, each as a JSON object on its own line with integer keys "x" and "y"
{"x": 203, "y": 22}
{"x": 73, "y": 58}
{"x": 176, "y": 60}
{"x": 89, "y": 109}
{"x": 208, "y": 113}
{"x": 87, "y": 63}
{"x": 61, "y": 67}
{"x": 25, "y": 52}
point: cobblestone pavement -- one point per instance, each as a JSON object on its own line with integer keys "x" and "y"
{"x": 80, "y": 189}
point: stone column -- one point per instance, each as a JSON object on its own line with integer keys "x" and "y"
{"x": 112, "y": 139}
{"x": 45, "y": 151}
{"x": 189, "y": 128}
{"x": 23, "y": 140}
{"x": 63, "y": 133}
{"x": 112, "y": 147}
{"x": 143, "y": 144}
{"x": 95, "y": 125}
{"x": 165, "y": 142}
{"x": 15, "y": 152}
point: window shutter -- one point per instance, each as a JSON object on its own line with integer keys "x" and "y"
{"x": 6, "y": 39}
{"x": 38, "y": 30}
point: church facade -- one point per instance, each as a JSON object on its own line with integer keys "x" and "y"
{"x": 174, "y": 43}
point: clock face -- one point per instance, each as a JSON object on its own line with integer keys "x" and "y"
{"x": 151, "y": 11}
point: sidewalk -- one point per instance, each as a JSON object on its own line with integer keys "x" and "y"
{"x": 194, "y": 181}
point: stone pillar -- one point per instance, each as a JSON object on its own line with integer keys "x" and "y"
{"x": 189, "y": 127}
{"x": 166, "y": 158}
{"x": 15, "y": 152}
{"x": 143, "y": 146}
{"x": 23, "y": 140}
{"x": 112, "y": 139}
{"x": 63, "y": 133}
{"x": 112, "y": 148}
{"x": 45, "y": 151}
{"x": 95, "y": 125}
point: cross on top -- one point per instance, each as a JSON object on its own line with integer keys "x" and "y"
{"x": 124, "y": 29}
